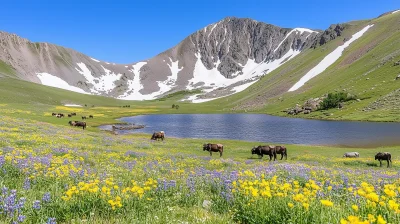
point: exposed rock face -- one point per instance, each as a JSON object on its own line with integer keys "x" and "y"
{"x": 329, "y": 34}
{"x": 223, "y": 58}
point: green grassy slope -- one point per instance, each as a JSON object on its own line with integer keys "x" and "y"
{"x": 365, "y": 69}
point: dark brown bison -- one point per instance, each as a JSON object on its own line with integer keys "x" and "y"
{"x": 78, "y": 124}
{"x": 53, "y": 114}
{"x": 73, "y": 114}
{"x": 90, "y": 116}
{"x": 158, "y": 135}
{"x": 264, "y": 150}
{"x": 281, "y": 150}
{"x": 60, "y": 115}
{"x": 84, "y": 117}
{"x": 69, "y": 115}
{"x": 214, "y": 148}
{"x": 383, "y": 156}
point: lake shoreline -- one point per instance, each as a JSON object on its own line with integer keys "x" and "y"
{"x": 356, "y": 143}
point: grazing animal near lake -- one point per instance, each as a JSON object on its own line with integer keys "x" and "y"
{"x": 90, "y": 116}
{"x": 383, "y": 156}
{"x": 78, "y": 124}
{"x": 264, "y": 150}
{"x": 59, "y": 115}
{"x": 84, "y": 117}
{"x": 214, "y": 148}
{"x": 281, "y": 150}
{"x": 158, "y": 135}
{"x": 351, "y": 155}
{"x": 73, "y": 114}
{"x": 53, "y": 114}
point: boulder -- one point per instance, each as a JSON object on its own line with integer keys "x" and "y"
{"x": 312, "y": 104}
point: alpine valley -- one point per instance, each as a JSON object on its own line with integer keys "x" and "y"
{"x": 250, "y": 65}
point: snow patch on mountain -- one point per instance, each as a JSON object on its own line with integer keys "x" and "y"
{"x": 134, "y": 85}
{"x": 236, "y": 89}
{"x": 54, "y": 81}
{"x": 212, "y": 79}
{"x": 95, "y": 60}
{"x": 298, "y": 30}
{"x": 328, "y": 60}
{"x": 396, "y": 11}
{"x": 104, "y": 83}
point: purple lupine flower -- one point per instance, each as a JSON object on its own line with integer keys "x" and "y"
{"x": 21, "y": 218}
{"x": 51, "y": 221}
{"x": 36, "y": 205}
{"x": 46, "y": 197}
{"x": 27, "y": 184}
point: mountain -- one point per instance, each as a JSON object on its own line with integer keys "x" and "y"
{"x": 269, "y": 68}
{"x": 221, "y": 59}
{"x": 363, "y": 60}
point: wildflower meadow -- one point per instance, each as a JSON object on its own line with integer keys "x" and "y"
{"x": 59, "y": 174}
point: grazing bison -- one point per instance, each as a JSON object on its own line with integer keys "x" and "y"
{"x": 281, "y": 150}
{"x": 78, "y": 124}
{"x": 158, "y": 135}
{"x": 53, "y": 114}
{"x": 73, "y": 114}
{"x": 383, "y": 156}
{"x": 351, "y": 154}
{"x": 264, "y": 150}
{"x": 214, "y": 148}
{"x": 84, "y": 117}
{"x": 90, "y": 116}
{"x": 69, "y": 115}
{"x": 59, "y": 115}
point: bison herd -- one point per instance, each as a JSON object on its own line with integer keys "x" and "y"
{"x": 271, "y": 151}
{"x": 74, "y": 123}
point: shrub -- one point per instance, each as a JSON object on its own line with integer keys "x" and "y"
{"x": 334, "y": 99}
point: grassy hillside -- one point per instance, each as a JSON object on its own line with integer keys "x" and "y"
{"x": 365, "y": 69}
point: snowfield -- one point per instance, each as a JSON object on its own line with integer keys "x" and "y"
{"x": 235, "y": 89}
{"x": 251, "y": 72}
{"x": 297, "y": 30}
{"x": 395, "y": 11}
{"x": 328, "y": 60}
{"x": 134, "y": 86}
{"x": 104, "y": 83}
{"x": 54, "y": 81}
{"x": 72, "y": 105}
{"x": 95, "y": 60}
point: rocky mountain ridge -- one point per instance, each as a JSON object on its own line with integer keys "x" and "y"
{"x": 223, "y": 58}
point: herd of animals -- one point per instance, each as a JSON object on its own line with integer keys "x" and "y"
{"x": 74, "y": 123}
{"x": 272, "y": 151}
{"x": 269, "y": 150}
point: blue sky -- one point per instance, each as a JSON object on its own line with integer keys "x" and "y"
{"x": 130, "y": 31}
